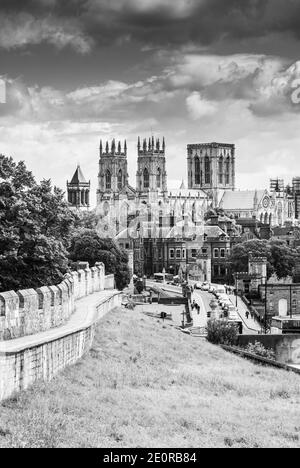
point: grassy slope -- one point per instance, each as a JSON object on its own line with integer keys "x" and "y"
{"x": 146, "y": 384}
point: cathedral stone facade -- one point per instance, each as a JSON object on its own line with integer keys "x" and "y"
{"x": 161, "y": 227}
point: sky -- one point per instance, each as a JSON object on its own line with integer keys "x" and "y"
{"x": 195, "y": 71}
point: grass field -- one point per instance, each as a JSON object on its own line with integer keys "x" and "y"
{"x": 145, "y": 384}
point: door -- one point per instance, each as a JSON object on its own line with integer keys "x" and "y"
{"x": 283, "y": 307}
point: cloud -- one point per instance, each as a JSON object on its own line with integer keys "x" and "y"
{"x": 200, "y": 108}
{"x": 164, "y": 23}
{"x": 23, "y": 29}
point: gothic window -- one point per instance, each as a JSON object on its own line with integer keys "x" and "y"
{"x": 221, "y": 165}
{"x": 120, "y": 180}
{"x": 197, "y": 171}
{"x": 172, "y": 219}
{"x": 158, "y": 178}
{"x": 227, "y": 171}
{"x": 207, "y": 170}
{"x": 146, "y": 179}
{"x": 108, "y": 180}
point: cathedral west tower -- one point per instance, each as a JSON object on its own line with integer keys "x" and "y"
{"x": 151, "y": 172}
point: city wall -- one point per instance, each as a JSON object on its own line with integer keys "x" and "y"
{"x": 44, "y": 330}
{"x": 31, "y": 311}
{"x": 286, "y": 347}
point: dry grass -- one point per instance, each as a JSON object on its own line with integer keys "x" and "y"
{"x": 144, "y": 384}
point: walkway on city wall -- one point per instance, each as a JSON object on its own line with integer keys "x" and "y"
{"x": 23, "y": 361}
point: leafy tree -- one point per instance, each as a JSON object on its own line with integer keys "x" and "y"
{"x": 284, "y": 258}
{"x": 35, "y": 227}
{"x": 88, "y": 246}
{"x": 240, "y": 255}
{"x": 281, "y": 259}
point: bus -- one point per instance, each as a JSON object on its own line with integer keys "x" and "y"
{"x": 163, "y": 278}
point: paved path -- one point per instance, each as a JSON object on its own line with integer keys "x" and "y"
{"x": 85, "y": 311}
{"x": 251, "y": 326}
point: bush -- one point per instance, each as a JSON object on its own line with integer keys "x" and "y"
{"x": 259, "y": 349}
{"x": 221, "y": 332}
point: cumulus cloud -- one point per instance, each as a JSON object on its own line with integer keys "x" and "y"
{"x": 200, "y": 108}
{"x": 170, "y": 23}
{"x": 23, "y": 29}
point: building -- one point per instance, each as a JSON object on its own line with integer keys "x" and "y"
{"x": 79, "y": 191}
{"x": 211, "y": 167}
{"x": 270, "y": 208}
{"x": 161, "y": 227}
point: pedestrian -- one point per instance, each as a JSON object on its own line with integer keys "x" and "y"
{"x": 193, "y": 304}
{"x": 198, "y": 309}
{"x": 247, "y": 315}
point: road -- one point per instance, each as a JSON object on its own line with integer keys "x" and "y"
{"x": 251, "y": 326}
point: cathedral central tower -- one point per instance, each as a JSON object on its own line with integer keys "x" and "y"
{"x": 151, "y": 172}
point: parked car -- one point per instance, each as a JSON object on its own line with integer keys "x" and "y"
{"x": 198, "y": 286}
{"x": 205, "y": 287}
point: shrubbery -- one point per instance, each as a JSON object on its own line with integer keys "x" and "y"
{"x": 259, "y": 349}
{"x": 222, "y": 332}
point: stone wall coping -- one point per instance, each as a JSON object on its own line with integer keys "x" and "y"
{"x": 85, "y": 316}
{"x": 27, "y": 292}
{"x": 9, "y": 295}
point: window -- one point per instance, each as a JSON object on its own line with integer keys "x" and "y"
{"x": 197, "y": 171}
{"x": 216, "y": 253}
{"x": 146, "y": 179}
{"x": 207, "y": 170}
{"x": 172, "y": 219}
{"x": 108, "y": 180}
{"x": 178, "y": 253}
{"x": 221, "y": 164}
{"x": 194, "y": 253}
{"x": 222, "y": 253}
{"x": 158, "y": 178}
{"x": 204, "y": 251}
{"x": 120, "y": 180}
{"x": 183, "y": 254}
{"x": 227, "y": 171}
{"x": 171, "y": 253}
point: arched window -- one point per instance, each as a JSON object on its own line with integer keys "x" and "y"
{"x": 207, "y": 170}
{"x": 197, "y": 171}
{"x": 120, "y": 180}
{"x": 266, "y": 218}
{"x": 221, "y": 168}
{"x": 108, "y": 180}
{"x": 227, "y": 172}
{"x": 158, "y": 178}
{"x": 146, "y": 179}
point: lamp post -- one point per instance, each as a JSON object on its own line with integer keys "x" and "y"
{"x": 236, "y": 291}
{"x": 266, "y": 306}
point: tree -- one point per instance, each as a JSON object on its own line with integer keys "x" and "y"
{"x": 239, "y": 257}
{"x": 284, "y": 258}
{"x": 35, "y": 227}
{"x": 281, "y": 259}
{"x": 88, "y": 246}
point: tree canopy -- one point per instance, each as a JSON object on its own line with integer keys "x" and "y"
{"x": 35, "y": 229}
{"x": 86, "y": 245}
{"x": 281, "y": 259}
